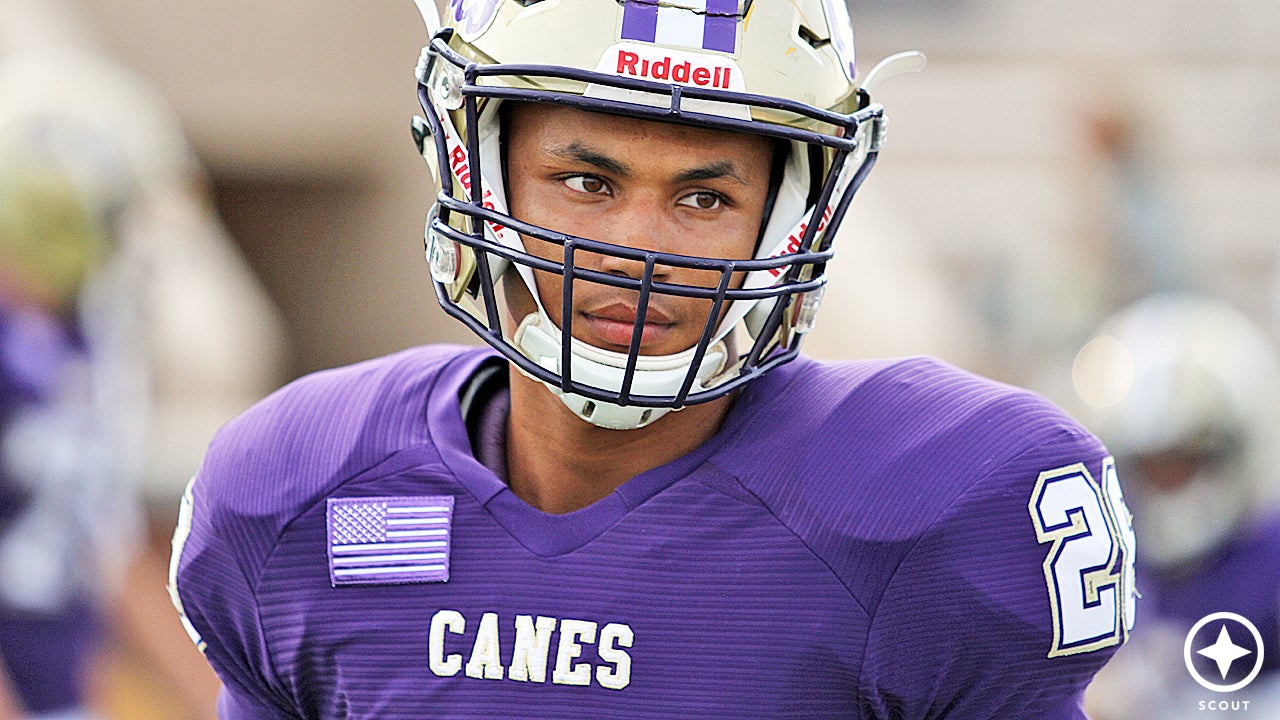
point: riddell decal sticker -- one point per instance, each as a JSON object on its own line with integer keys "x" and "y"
{"x": 460, "y": 164}
{"x": 684, "y": 68}
{"x": 699, "y": 24}
{"x": 679, "y": 67}
{"x": 792, "y": 245}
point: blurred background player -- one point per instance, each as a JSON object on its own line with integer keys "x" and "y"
{"x": 1184, "y": 390}
{"x": 129, "y": 329}
{"x": 71, "y": 420}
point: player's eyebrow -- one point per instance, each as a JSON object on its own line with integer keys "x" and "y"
{"x": 582, "y": 153}
{"x": 714, "y": 171}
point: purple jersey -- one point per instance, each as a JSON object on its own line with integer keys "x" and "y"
{"x": 49, "y": 632}
{"x": 34, "y": 350}
{"x": 892, "y": 539}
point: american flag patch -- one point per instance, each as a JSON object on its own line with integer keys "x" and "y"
{"x": 389, "y": 540}
{"x": 704, "y": 24}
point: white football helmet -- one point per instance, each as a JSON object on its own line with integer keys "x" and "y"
{"x": 81, "y": 140}
{"x": 1184, "y": 390}
{"x": 782, "y": 70}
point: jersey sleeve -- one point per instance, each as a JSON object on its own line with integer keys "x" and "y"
{"x": 211, "y": 582}
{"x": 1013, "y": 598}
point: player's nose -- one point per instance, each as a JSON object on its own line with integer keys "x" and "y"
{"x": 638, "y": 225}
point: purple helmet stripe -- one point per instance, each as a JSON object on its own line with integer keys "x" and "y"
{"x": 721, "y": 29}
{"x": 640, "y": 20}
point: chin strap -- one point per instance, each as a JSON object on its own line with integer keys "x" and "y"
{"x": 539, "y": 339}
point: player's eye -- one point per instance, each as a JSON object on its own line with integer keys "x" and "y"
{"x": 589, "y": 184}
{"x": 702, "y": 200}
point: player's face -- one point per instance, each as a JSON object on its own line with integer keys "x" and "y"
{"x": 639, "y": 184}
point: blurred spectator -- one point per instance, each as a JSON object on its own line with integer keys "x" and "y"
{"x": 1184, "y": 390}
{"x": 1145, "y": 248}
{"x": 130, "y": 329}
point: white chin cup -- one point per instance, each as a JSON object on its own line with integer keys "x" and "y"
{"x": 538, "y": 339}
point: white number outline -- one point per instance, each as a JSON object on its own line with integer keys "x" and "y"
{"x": 1122, "y": 521}
{"x": 1111, "y": 577}
{"x": 180, "y": 534}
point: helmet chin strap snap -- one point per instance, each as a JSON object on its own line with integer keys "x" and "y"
{"x": 538, "y": 338}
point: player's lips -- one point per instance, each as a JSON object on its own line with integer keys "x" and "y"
{"x": 614, "y": 324}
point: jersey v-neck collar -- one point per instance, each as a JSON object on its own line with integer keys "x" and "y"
{"x": 545, "y": 534}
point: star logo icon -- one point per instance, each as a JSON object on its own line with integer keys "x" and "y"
{"x": 1224, "y": 652}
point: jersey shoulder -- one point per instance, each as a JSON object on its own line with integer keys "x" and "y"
{"x": 265, "y": 469}
{"x": 861, "y": 459}
{"x": 296, "y": 445}
{"x": 850, "y": 422}
{"x": 920, "y": 485}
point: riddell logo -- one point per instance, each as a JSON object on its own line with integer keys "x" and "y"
{"x": 686, "y": 72}
{"x": 462, "y": 170}
{"x": 793, "y": 240}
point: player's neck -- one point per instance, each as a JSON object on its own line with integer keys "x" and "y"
{"x": 558, "y": 463}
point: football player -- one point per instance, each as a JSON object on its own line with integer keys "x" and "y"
{"x": 69, "y": 418}
{"x": 639, "y": 501}
{"x": 1184, "y": 389}
{"x": 118, "y": 298}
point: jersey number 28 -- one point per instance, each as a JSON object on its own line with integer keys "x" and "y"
{"x": 1089, "y": 568}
